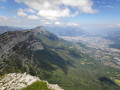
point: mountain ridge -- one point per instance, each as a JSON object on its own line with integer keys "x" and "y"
{"x": 41, "y": 53}
{"x": 9, "y": 28}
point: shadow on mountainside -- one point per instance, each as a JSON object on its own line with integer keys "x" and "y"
{"x": 48, "y": 59}
{"x": 45, "y": 59}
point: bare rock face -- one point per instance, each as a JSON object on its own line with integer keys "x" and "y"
{"x": 12, "y": 42}
{"x": 40, "y": 30}
{"x": 14, "y": 81}
{"x": 35, "y": 45}
{"x": 53, "y": 86}
{"x": 17, "y": 81}
{"x": 9, "y": 39}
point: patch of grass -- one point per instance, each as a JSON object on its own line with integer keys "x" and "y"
{"x": 117, "y": 81}
{"x": 39, "y": 85}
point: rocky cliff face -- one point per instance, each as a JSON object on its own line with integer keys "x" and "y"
{"x": 40, "y": 30}
{"x": 12, "y": 42}
{"x": 8, "y": 41}
{"x": 17, "y": 81}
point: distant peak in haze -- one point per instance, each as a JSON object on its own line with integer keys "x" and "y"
{"x": 9, "y": 28}
{"x": 39, "y": 27}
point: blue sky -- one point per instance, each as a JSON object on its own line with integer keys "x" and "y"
{"x": 79, "y": 13}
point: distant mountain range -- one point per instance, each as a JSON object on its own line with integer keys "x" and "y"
{"x": 41, "y": 53}
{"x": 67, "y": 31}
{"x": 113, "y": 35}
{"x": 8, "y": 28}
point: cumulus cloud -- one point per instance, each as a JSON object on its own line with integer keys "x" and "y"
{"x": 54, "y": 13}
{"x": 47, "y": 23}
{"x": 72, "y": 24}
{"x": 21, "y": 13}
{"x": 33, "y": 17}
{"x": 3, "y": 18}
{"x": 54, "y": 9}
{"x": 5, "y": 21}
{"x": 58, "y": 23}
{"x": 8, "y": 20}
{"x": 29, "y": 10}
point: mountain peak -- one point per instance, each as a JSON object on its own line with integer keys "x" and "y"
{"x": 39, "y": 29}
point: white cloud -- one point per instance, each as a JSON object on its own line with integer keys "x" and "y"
{"x": 83, "y": 5}
{"x": 4, "y": 19}
{"x": 72, "y": 24}
{"x": 112, "y": 25}
{"x": 46, "y": 23}
{"x": 29, "y": 10}
{"x": 33, "y": 17}
{"x": 58, "y": 23}
{"x": 54, "y": 9}
{"x": 21, "y": 13}
{"x": 118, "y": 25}
{"x": 54, "y": 13}
{"x": 51, "y": 18}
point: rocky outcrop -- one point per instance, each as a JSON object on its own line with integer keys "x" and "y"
{"x": 17, "y": 81}
{"x": 40, "y": 30}
{"x": 9, "y": 39}
{"x": 12, "y": 42}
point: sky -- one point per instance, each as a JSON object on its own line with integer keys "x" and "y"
{"x": 77, "y": 13}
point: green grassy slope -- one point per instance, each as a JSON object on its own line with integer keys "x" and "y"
{"x": 39, "y": 85}
{"x": 81, "y": 72}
